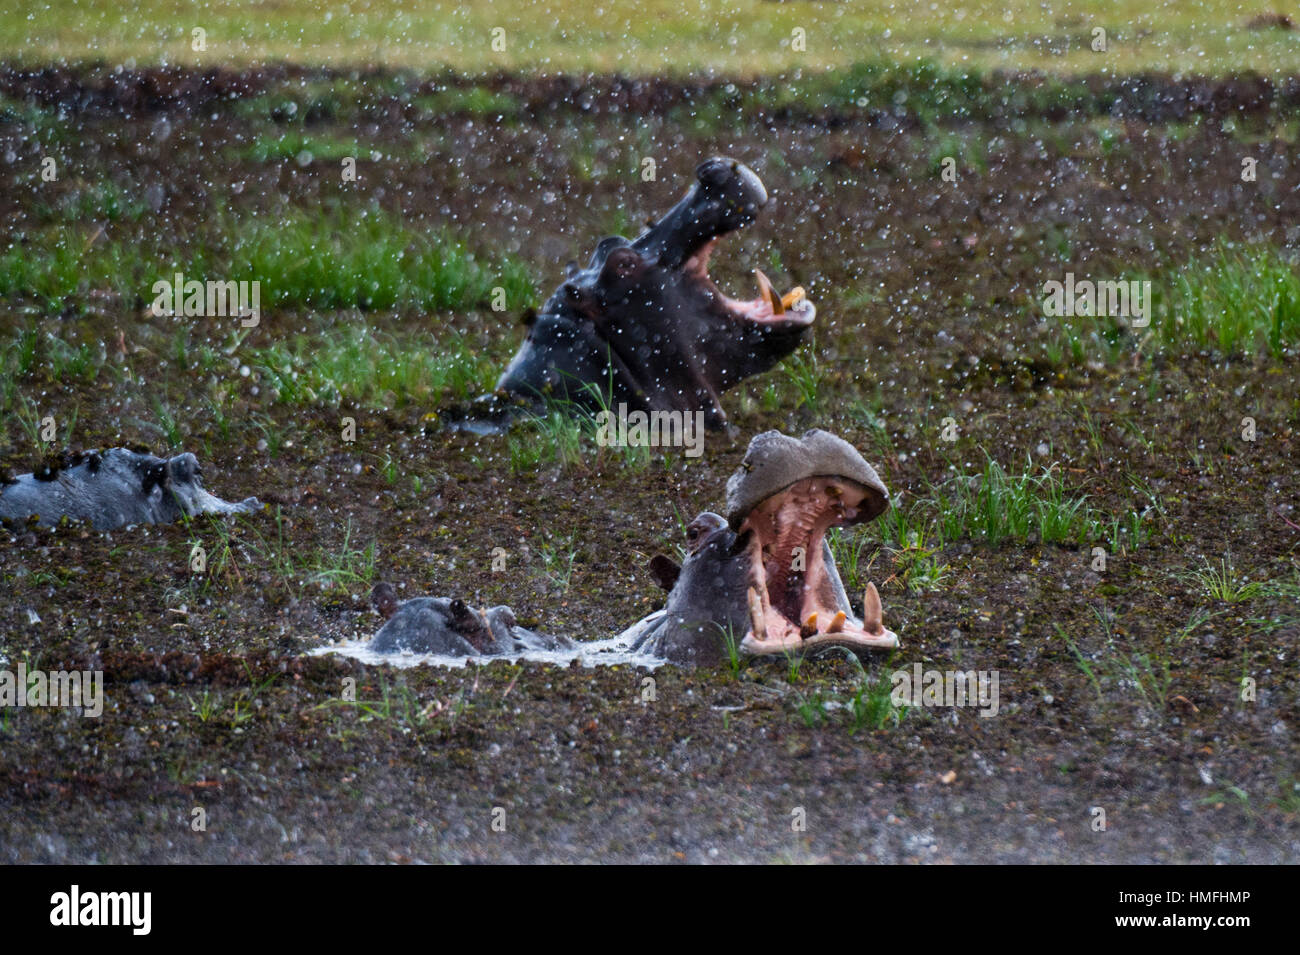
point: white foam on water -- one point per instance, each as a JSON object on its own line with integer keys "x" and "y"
{"x": 613, "y": 651}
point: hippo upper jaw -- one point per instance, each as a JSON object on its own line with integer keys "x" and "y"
{"x": 645, "y": 325}
{"x": 728, "y": 196}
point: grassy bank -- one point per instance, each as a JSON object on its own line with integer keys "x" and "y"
{"x": 744, "y": 38}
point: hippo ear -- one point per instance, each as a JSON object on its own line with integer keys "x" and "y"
{"x": 529, "y": 318}
{"x": 463, "y": 617}
{"x": 665, "y": 571}
{"x": 183, "y": 469}
{"x": 384, "y": 599}
{"x": 153, "y": 474}
{"x": 622, "y": 264}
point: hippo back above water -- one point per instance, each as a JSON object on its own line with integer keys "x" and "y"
{"x": 114, "y": 488}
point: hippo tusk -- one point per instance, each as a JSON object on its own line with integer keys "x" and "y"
{"x": 756, "y": 621}
{"x": 794, "y": 295}
{"x": 837, "y": 622}
{"x": 872, "y": 615}
{"x": 809, "y": 628}
{"x": 765, "y": 289}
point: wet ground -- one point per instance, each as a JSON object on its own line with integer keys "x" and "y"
{"x": 928, "y": 309}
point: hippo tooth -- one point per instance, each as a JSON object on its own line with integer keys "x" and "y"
{"x": 809, "y": 628}
{"x": 765, "y": 289}
{"x": 756, "y": 620}
{"x": 872, "y": 616}
{"x": 792, "y": 296}
{"x": 837, "y": 622}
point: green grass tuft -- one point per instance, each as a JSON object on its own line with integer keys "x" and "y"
{"x": 1234, "y": 300}
{"x": 371, "y": 369}
{"x": 317, "y": 259}
{"x": 998, "y": 505}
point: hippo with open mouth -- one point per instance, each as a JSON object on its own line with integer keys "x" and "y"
{"x": 113, "y": 488}
{"x": 644, "y": 325}
{"x": 763, "y": 577}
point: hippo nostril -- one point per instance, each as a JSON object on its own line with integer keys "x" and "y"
{"x": 757, "y": 192}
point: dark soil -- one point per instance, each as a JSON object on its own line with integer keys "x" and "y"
{"x": 926, "y": 295}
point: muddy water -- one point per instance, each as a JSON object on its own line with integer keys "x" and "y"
{"x": 222, "y": 690}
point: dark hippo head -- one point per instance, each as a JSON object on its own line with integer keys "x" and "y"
{"x": 644, "y": 325}
{"x": 443, "y": 626}
{"x": 113, "y": 488}
{"x": 763, "y": 576}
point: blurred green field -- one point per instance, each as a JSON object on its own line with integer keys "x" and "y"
{"x": 732, "y": 37}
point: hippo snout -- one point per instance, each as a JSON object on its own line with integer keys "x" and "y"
{"x": 730, "y": 193}
{"x": 733, "y": 180}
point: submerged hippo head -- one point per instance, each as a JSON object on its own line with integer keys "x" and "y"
{"x": 763, "y": 576}
{"x": 443, "y": 626}
{"x": 644, "y": 324}
{"x": 113, "y": 488}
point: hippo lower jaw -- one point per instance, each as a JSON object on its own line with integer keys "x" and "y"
{"x": 792, "y": 599}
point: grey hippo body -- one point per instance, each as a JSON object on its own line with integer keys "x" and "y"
{"x": 114, "y": 488}
{"x": 762, "y": 578}
{"x": 644, "y": 325}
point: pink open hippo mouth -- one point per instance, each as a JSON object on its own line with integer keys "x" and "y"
{"x": 787, "y": 494}
{"x": 792, "y": 602}
{"x": 793, "y": 309}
